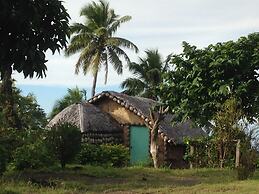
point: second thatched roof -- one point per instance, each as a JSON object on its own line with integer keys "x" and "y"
{"x": 86, "y": 117}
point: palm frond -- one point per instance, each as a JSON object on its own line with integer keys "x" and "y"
{"x": 78, "y": 28}
{"x": 133, "y": 86}
{"x": 116, "y": 24}
{"x": 153, "y": 59}
{"x": 137, "y": 69}
{"x": 120, "y": 53}
{"x": 78, "y": 42}
{"x": 85, "y": 59}
{"x": 121, "y": 42}
{"x": 95, "y": 62}
{"x": 115, "y": 61}
{"x": 154, "y": 76}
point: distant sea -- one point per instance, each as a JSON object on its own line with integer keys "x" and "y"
{"x": 47, "y": 95}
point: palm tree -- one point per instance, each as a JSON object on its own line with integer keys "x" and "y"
{"x": 147, "y": 75}
{"x": 95, "y": 40}
{"x": 73, "y": 95}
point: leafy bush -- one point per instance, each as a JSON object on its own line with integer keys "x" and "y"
{"x": 247, "y": 164}
{"x": 204, "y": 154}
{"x": 64, "y": 141}
{"x": 32, "y": 156}
{"x": 10, "y": 139}
{"x": 3, "y": 159}
{"x": 105, "y": 154}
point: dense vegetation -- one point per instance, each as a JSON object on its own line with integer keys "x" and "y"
{"x": 31, "y": 115}
{"x": 104, "y": 155}
{"x": 64, "y": 142}
{"x": 203, "y": 79}
{"x": 27, "y": 30}
{"x": 216, "y": 87}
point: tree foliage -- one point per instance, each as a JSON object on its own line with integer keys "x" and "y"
{"x": 104, "y": 155}
{"x": 31, "y": 115}
{"x": 33, "y": 155}
{"x": 203, "y": 79}
{"x": 95, "y": 40}
{"x": 74, "y": 95}
{"x": 27, "y": 30}
{"x": 64, "y": 141}
{"x": 147, "y": 75}
{"x": 228, "y": 127}
{"x": 3, "y": 159}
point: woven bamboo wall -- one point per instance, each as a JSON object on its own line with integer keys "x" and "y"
{"x": 161, "y": 151}
{"x": 94, "y": 137}
{"x": 119, "y": 113}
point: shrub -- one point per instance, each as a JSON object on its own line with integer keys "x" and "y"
{"x": 3, "y": 159}
{"x": 105, "y": 155}
{"x": 204, "y": 154}
{"x": 10, "y": 140}
{"x": 32, "y": 156}
{"x": 64, "y": 141}
{"x": 247, "y": 164}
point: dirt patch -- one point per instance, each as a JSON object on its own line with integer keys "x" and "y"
{"x": 48, "y": 178}
{"x": 55, "y": 179}
{"x": 118, "y": 192}
{"x": 184, "y": 181}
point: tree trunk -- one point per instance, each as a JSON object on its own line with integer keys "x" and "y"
{"x": 154, "y": 150}
{"x": 222, "y": 154}
{"x": 94, "y": 83}
{"x": 191, "y": 154}
{"x": 237, "y": 154}
{"x": 63, "y": 165}
{"x": 10, "y": 114}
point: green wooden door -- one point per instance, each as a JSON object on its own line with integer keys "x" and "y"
{"x": 139, "y": 145}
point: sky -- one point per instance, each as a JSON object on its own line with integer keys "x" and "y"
{"x": 161, "y": 25}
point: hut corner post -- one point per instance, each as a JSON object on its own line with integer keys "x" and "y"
{"x": 155, "y": 121}
{"x": 154, "y": 150}
{"x": 237, "y": 154}
{"x": 191, "y": 154}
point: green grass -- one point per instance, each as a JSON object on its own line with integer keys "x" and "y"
{"x": 90, "y": 179}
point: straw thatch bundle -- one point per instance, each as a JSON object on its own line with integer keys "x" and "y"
{"x": 96, "y": 126}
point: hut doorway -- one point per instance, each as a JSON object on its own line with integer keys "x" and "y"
{"x": 139, "y": 145}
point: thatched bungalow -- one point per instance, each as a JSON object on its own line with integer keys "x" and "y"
{"x": 122, "y": 118}
{"x": 96, "y": 126}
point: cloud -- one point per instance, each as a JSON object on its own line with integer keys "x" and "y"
{"x": 162, "y": 24}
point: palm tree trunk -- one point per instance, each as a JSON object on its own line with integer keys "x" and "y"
{"x": 10, "y": 114}
{"x": 94, "y": 83}
{"x": 106, "y": 71}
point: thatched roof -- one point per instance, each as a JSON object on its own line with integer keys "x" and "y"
{"x": 141, "y": 106}
{"x": 86, "y": 117}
